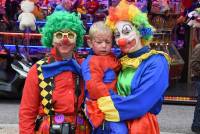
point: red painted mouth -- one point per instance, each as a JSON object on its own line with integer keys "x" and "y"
{"x": 128, "y": 46}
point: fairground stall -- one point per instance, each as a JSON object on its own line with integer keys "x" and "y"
{"x": 21, "y": 47}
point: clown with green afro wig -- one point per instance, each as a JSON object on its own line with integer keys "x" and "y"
{"x": 49, "y": 88}
{"x": 62, "y": 20}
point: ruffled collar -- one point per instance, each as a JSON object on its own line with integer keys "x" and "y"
{"x": 140, "y": 55}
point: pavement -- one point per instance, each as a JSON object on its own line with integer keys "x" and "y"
{"x": 13, "y": 129}
{"x": 176, "y": 119}
{"x": 9, "y": 129}
{"x": 173, "y": 119}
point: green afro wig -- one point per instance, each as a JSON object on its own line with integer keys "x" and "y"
{"x": 62, "y": 20}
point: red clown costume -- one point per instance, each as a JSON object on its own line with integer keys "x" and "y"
{"x": 50, "y": 91}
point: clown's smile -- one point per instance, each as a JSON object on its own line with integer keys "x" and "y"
{"x": 127, "y": 37}
{"x": 128, "y": 46}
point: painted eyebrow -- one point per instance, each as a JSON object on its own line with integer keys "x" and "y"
{"x": 126, "y": 26}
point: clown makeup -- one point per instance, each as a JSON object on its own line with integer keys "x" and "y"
{"x": 60, "y": 35}
{"x": 64, "y": 42}
{"x": 127, "y": 37}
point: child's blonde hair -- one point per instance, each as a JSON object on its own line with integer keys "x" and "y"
{"x": 99, "y": 27}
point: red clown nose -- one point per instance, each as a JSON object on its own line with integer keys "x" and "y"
{"x": 65, "y": 40}
{"x": 122, "y": 42}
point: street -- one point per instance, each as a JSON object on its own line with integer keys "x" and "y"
{"x": 173, "y": 119}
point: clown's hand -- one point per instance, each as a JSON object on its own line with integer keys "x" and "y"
{"x": 106, "y": 105}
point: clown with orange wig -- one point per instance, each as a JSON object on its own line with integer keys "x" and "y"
{"x": 144, "y": 77}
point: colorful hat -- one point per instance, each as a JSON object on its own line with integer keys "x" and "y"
{"x": 129, "y": 12}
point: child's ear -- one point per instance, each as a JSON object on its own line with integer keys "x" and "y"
{"x": 89, "y": 40}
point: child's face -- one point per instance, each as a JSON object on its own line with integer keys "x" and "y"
{"x": 101, "y": 43}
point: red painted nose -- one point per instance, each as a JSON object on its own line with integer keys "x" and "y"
{"x": 122, "y": 42}
{"x": 65, "y": 40}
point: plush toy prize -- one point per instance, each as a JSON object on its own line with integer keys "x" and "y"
{"x": 26, "y": 18}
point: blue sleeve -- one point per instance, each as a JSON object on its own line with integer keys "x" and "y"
{"x": 147, "y": 89}
{"x": 86, "y": 73}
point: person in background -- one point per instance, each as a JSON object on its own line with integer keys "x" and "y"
{"x": 53, "y": 90}
{"x": 94, "y": 69}
{"x": 195, "y": 67}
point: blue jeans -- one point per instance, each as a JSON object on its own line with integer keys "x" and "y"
{"x": 112, "y": 128}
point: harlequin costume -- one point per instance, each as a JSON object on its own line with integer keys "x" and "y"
{"x": 50, "y": 87}
{"x": 144, "y": 75}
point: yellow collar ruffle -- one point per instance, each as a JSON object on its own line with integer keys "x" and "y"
{"x": 135, "y": 62}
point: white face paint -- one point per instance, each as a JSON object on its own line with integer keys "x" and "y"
{"x": 127, "y": 37}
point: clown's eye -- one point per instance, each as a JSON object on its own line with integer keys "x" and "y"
{"x": 59, "y": 35}
{"x": 126, "y": 29}
{"x": 71, "y": 35}
{"x": 117, "y": 34}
